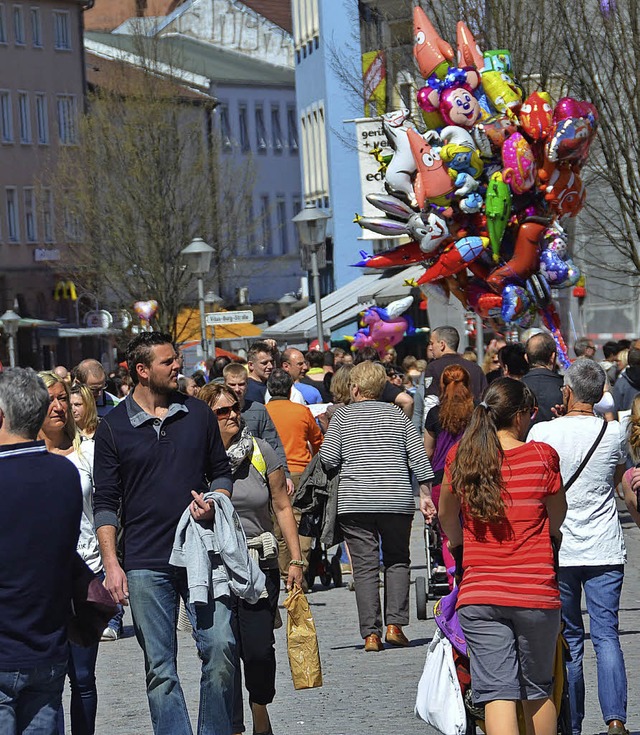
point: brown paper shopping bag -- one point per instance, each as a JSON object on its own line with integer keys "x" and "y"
{"x": 302, "y": 642}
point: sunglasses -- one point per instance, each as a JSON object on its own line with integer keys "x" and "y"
{"x": 226, "y": 410}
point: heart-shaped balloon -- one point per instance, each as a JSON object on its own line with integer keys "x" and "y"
{"x": 569, "y": 107}
{"x": 146, "y": 310}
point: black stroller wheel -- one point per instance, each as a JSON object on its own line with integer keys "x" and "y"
{"x": 421, "y": 598}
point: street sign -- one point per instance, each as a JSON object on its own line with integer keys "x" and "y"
{"x": 229, "y": 317}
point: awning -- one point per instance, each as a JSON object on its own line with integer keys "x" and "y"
{"x": 68, "y": 332}
{"x": 341, "y": 308}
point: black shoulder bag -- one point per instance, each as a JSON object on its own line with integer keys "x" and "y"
{"x": 587, "y": 457}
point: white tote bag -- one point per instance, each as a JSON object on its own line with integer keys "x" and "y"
{"x": 439, "y": 701}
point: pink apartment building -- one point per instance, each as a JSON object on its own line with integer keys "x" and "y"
{"x": 41, "y": 95}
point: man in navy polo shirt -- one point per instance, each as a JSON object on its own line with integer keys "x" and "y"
{"x": 40, "y": 509}
{"x": 156, "y": 453}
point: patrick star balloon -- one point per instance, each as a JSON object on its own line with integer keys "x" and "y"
{"x": 431, "y": 52}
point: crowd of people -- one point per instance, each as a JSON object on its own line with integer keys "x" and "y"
{"x": 181, "y": 491}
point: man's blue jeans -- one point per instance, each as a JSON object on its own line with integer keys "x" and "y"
{"x": 602, "y": 587}
{"x": 30, "y": 700}
{"x": 154, "y": 599}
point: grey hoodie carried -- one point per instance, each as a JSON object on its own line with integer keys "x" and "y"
{"x": 216, "y": 558}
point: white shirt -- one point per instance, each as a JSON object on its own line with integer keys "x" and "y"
{"x": 591, "y": 532}
{"x": 88, "y": 547}
{"x": 295, "y": 397}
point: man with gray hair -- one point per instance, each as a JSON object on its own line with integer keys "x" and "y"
{"x": 38, "y": 548}
{"x": 584, "y": 347}
{"x": 93, "y": 375}
{"x": 592, "y": 555}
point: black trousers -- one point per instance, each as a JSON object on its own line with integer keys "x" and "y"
{"x": 364, "y": 532}
{"x": 253, "y": 628}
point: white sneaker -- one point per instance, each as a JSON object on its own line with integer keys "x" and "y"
{"x": 109, "y": 634}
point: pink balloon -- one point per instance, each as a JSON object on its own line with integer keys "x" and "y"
{"x": 146, "y": 309}
{"x": 569, "y": 107}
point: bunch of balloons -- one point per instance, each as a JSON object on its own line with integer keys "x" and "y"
{"x": 485, "y": 188}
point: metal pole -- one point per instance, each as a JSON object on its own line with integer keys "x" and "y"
{"x": 315, "y": 275}
{"x": 213, "y": 341}
{"x": 203, "y": 325}
{"x": 12, "y": 352}
{"x": 479, "y": 339}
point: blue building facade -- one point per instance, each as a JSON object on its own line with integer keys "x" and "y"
{"x": 326, "y": 37}
{"x": 245, "y": 62}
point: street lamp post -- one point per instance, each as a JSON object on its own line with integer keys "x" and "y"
{"x": 312, "y": 231}
{"x": 211, "y": 299}
{"x": 10, "y": 322}
{"x": 197, "y": 257}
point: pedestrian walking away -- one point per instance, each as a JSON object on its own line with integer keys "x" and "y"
{"x": 512, "y": 503}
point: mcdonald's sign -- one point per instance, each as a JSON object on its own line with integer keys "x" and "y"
{"x": 65, "y": 291}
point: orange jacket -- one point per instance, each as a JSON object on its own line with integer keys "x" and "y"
{"x": 297, "y": 429}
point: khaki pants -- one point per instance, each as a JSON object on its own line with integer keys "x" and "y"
{"x": 284, "y": 556}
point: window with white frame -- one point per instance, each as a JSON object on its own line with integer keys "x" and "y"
{"x": 13, "y": 223}
{"x": 265, "y": 216}
{"x": 261, "y": 129}
{"x": 71, "y": 222}
{"x": 67, "y": 119}
{"x": 6, "y": 117}
{"x": 36, "y": 27}
{"x": 292, "y": 129}
{"x": 42, "y": 118}
{"x": 243, "y": 121}
{"x": 61, "y": 35}
{"x": 306, "y": 26}
{"x": 24, "y": 117}
{"x": 314, "y": 151}
{"x": 276, "y": 129}
{"x": 47, "y": 215}
{"x": 18, "y": 25}
{"x": 3, "y": 25}
{"x": 225, "y": 126}
{"x": 30, "y": 219}
{"x": 283, "y": 224}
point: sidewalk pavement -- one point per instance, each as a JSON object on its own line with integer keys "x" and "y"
{"x": 363, "y": 693}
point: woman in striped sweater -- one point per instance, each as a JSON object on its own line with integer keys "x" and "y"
{"x": 376, "y": 448}
{"x": 512, "y": 503}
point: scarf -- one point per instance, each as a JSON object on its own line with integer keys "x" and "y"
{"x": 240, "y": 449}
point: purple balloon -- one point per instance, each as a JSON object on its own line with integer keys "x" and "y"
{"x": 555, "y": 270}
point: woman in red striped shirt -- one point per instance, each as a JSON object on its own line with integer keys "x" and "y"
{"x": 510, "y": 497}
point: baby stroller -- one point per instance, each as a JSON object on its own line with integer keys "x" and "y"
{"x": 436, "y": 583}
{"x": 446, "y": 619}
{"x": 320, "y": 565}
{"x": 326, "y": 569}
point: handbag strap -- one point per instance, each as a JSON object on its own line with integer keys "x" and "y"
{"x": 587, "y": 457}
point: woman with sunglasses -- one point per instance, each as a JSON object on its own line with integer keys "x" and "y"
{"x": 510, "y": 498}
{"x": 61, "y": 436}
{"x": 258, "y": 485}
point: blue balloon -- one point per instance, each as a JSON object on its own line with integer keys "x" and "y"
{"x": 515, "y": 301}
{"x": 555, "y": 270}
